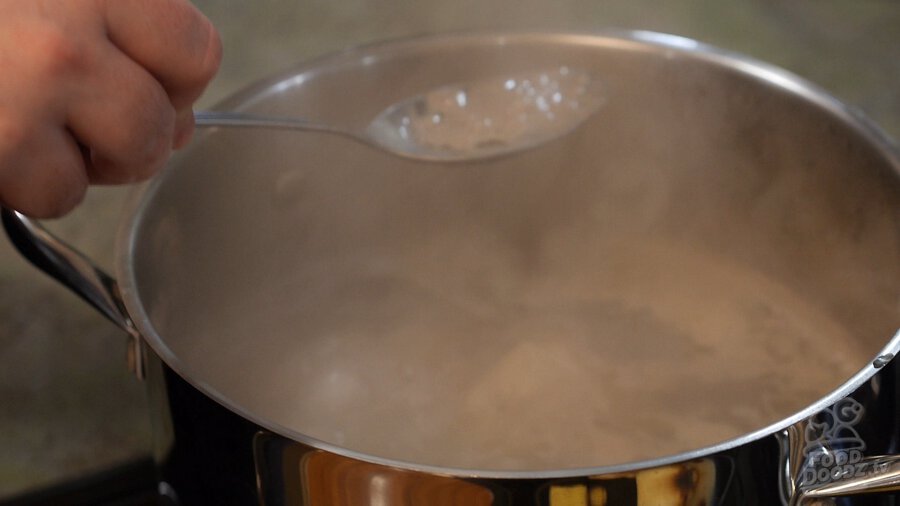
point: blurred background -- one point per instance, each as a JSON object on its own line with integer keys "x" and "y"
{"x": 68, "y": 405}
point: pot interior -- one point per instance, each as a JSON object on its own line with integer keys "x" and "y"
{"x": 711, "y": 252}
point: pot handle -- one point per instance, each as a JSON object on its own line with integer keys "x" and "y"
{"x": 873, "y": 475}
{"x": 77, "y": 272}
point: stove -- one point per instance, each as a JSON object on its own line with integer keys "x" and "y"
{"x": 130, "y": 484}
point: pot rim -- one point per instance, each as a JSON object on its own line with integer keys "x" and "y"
{"x": 638, "y": 40}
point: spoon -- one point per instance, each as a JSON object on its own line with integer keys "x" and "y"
{"x": 460, "y": 122}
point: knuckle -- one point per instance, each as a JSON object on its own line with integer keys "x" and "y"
{"x": 56, "y": 55}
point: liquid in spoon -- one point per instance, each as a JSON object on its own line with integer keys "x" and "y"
{"x": 489, "y": 117}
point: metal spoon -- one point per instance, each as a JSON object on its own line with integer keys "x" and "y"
{"x": 461, "y": 122}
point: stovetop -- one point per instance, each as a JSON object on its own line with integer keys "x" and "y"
{"x": 131, "y": 484}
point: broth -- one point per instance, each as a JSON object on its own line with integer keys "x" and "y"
{"x": 578, "y": 355}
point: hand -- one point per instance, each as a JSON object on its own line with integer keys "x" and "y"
{"x": 95, "y": 91}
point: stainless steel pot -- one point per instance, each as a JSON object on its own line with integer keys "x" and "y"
{"x": 276, "y": 285}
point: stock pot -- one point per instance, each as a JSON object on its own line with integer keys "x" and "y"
{"x": 692, "y": 298}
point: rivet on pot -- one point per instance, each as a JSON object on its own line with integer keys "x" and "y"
{"x": 883, "y": 360}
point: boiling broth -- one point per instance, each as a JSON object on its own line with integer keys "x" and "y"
{"x": 582, "y": 354}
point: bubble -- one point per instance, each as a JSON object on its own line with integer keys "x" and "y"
{"x": 461, "y": 98}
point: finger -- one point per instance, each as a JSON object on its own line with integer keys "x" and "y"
{"x": 43, "y": 172}
{"x": 123, "y": 115}
{"x": 171, "y": 39}
{"x": 184, "y": 128}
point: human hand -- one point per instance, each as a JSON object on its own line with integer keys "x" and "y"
{"x": 95, "y": 91}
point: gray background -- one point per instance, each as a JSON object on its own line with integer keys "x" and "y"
{"x": 67, "y": 403}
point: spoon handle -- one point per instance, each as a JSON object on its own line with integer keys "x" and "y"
{"x": 243, "y": 120}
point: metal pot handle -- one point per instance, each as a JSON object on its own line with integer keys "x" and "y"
{"x": 873, "y": 475}
{"x": 885, "y": 477}
{"x": 77, "y": 272}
